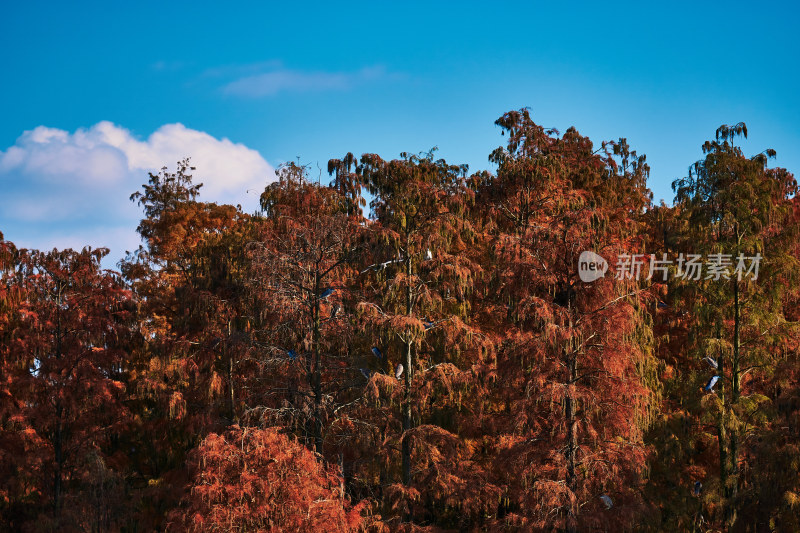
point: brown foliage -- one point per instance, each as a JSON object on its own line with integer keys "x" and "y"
{"x": 253, "y": 479}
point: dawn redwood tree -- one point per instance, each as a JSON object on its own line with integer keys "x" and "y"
{"x": 301, "y": 266}
{"x": 573, "y": 357}
{"x": 253, "y": 479}
{"x": 190, "y": 276}
{"x": 409, "y": 196}
{"x": 681, "y": 449}
{"x": 192, "y": 358}
{"x": 732, "y": 208}
{"x": 415, "y": 293}
{"x": 15, "y": 436}
{"x": 308, "y": 378}
{"x": 70, "y": 340}
{"x": 772, "y": 462}
{"x": 347, "y": 182}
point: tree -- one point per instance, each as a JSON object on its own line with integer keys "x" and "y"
{"x": 15, "y": 434}
{"x": 193, "y": 331}
{"x": 408, "y": 205}
{"x": 738, "y": 212}
{"x": 568, "y": 350}
{"x": 301, "y": 267}
{"x": 253, "y": 479}
{"x": 415, "y": 306}
{"x": 69, "y": 382}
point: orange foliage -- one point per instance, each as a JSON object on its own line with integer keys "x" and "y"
{"x": 253, "y": 479}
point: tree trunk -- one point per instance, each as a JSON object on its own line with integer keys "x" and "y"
{"x": 58, "y": 434}
{"x": 730, "y": 510}
{"x": 406, "y": 445}
{"x": 58, "y": 451}
{"x": 316, "y": 377}
{"x": 722, "y": 435}
{"x": 406, "y": 448}
{"x": 570, "y": 418}
{"x": 231, "y": 396}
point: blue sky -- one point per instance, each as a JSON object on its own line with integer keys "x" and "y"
{"x": 96, "y": 94}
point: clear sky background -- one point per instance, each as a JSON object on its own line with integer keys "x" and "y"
{"x": 95, "y": 95}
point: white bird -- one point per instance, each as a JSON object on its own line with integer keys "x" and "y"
{"x": 428, "y": 255}
{"x": 711, "y": 362}
{"x": 607, "y": 501}
{"x": 398, "y": 371}
{"x": 710, "y": 385}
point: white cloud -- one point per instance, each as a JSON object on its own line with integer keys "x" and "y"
{"x": 280, "y": 79}
{"x": 106, "y": 153}
{"x": 77, "y": 185}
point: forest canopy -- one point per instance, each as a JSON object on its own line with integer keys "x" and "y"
{"x": 414, "y": 347}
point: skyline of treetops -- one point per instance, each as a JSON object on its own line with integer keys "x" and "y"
{"x": 411, "y": 345}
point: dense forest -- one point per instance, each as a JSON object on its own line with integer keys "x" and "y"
{"x": 411, "y": 347}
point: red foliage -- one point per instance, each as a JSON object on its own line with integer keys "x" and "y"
{"x": 62, "y": 365}
{"x": 252, "y": 479}
{"x": 441, "y": 363}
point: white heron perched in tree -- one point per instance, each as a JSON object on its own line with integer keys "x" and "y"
{"x": 711, "y": 382}
{"x": 398, "y": 371}
{"x": 428, "y": 255}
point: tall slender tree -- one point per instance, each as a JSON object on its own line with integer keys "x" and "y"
{"x": 738, "y": 215}
{"x": 571, "y": 349}
{"x": 70, "y": 379}
{"x": 189, "y": 276}
{"x": 415, "y": 300}
{"x": 302, "y": 262}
